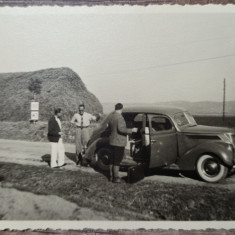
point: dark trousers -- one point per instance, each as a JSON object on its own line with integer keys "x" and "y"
{"x": 117, "y": 155}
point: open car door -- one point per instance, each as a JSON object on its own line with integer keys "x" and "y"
{"x": 163, "y": 141}
{"x": 140, "y": 144}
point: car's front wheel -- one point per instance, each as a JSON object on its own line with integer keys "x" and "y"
{"x": 210, "y": 169}
{"x": 103, "y": 156}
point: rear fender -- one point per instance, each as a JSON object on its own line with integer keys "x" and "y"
{"x": 92, "y": 148}
{"x": 223, "y": 151}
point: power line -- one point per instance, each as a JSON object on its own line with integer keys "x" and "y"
{"x": 163, "y": 66}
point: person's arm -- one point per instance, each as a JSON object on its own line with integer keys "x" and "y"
{"x": 122, "y": 126}
{"x": 73, "y": 120}
{"x": 93, "y": 117}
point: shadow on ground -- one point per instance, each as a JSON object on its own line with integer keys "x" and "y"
{"x": 46, "y": 158}
{"x": 2, "y": 178}
{"x": 97, "y": 169}
{"x": 173, "y": 173}
{"x": 231, "y": 173}
{"x": 153, "y": 172}
{"x": 186, "y": 174}
{"x": 71, "y": 156}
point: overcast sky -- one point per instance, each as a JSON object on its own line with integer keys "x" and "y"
{"x": 127, "y": 54}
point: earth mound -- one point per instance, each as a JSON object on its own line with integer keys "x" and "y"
{"x": 54, "y": 87}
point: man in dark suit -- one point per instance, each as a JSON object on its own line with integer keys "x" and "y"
{"x": 55, "y": 137}
{"x": 117, "y": 140}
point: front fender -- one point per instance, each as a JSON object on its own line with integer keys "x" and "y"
{"x": 92, "y": 148}
{"x": 222, "y": 150}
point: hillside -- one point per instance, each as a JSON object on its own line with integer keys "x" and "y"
{"x": 196, "y": 108}
{"x": 60, "y": 87}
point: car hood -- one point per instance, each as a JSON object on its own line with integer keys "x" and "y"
{"x": 200, "y": 129}
{"x": 96, "y": 133}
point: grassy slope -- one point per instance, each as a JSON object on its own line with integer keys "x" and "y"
{"x": 145, "y": 200}
{"x": 61, "y": 87}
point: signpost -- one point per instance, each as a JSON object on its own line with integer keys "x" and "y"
{"x": 34, "y": 107}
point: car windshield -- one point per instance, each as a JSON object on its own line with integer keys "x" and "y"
{"x": 184, "y": 119}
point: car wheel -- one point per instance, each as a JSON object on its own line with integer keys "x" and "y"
{"x": 103, "y": 155}
{"x": 210, "y": 169}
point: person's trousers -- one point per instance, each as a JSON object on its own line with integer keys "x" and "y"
{"x": 57, "y": 153}
{"x": 117, "y": 155}
{"x": 81, "y": 139}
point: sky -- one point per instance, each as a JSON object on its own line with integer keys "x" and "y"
{"x": 127, "y": 54}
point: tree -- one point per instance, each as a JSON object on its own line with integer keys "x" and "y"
{"x": 35, "y": 86}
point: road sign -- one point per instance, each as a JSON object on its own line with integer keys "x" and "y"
{"x": 34, "y": 106}
{"x": 34, "y": 115}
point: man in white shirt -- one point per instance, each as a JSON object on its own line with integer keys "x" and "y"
{"x": 82, "y": 121}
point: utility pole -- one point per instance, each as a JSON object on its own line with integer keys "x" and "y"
{"x": 224, "y": 90}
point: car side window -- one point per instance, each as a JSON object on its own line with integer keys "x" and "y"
{"x": 160, "y": 124}
{"x": 133, "y": 120}
{"x": 138, "y": 120}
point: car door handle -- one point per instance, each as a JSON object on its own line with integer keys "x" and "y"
{"x": 153, "y": 141}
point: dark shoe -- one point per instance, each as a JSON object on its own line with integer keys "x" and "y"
{"x": 80, "y": 160}
{"x": 55, "y": 167}
{"x": 84, "y": 162}
{"x": 63, "y": 165}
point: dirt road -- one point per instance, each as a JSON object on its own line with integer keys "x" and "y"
{"x": 37, "y": 206}
{"x": 37, "y": 154}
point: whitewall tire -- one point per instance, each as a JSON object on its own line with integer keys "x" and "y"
{"x": 210, "y": 169}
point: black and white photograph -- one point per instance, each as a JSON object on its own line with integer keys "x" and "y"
{"x": 117, "y": 114}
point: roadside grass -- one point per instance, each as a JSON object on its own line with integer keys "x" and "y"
{"x": 35, "y": 131}
{"x": 145, "y": 200}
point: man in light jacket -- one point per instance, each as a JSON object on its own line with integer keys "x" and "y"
{"x": 54, "y": 136}
{"x": 117, "y": 141}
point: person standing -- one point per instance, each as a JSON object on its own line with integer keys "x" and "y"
{"x": 82, "y": 121}
{"x": 55, "y": 137}
{"x": 117, "y": 141}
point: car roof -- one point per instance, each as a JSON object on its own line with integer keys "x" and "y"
{"x": 168, "y": 110}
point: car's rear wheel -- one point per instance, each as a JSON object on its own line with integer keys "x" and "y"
{"x": 210, "y": 169}
{"x": 103, "y": 155}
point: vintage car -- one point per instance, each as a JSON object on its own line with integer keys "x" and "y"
{"x": 169, "y": 136}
